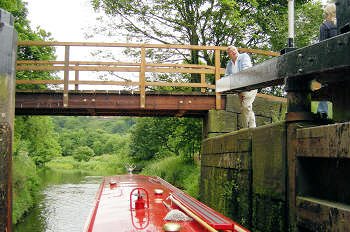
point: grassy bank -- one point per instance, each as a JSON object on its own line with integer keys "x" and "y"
{"x": 174, "y": 169}
{"x": 99, "y": 165}
{"x": 177, "y": 171}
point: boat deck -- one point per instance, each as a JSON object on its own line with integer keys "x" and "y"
{"x": 140, "y": 203}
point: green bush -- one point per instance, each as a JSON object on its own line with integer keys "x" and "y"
{"x": 83, "y": 153}
{"x": 25, "y": 185}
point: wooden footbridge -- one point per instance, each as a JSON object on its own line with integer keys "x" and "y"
{"x": 67, "y": 96}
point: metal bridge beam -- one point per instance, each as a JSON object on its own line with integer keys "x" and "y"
{"x": 113, "y": 103}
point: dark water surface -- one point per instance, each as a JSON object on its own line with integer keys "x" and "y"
{"x": 64, "y": 203}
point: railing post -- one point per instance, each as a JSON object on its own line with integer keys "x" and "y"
{"x": 66, "y": 76}
{"x": 202, "y": 82}
{"x": 8, "y": 49}
{"x": 142, "y": 78}
{"x": 217, "y": 77}
{"x": 76, "y": 77}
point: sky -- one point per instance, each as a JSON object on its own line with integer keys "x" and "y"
{"x": 65, "y": 19}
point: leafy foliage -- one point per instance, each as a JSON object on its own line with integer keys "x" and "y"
{"x": 36, "y": 135}
{"x": 160, "y": 137}
{"x": 246, "y": 23}
{"x": 102, "y": 135}
{"x": 25, "y": 184}
{"x": 22, "y": 25}
{"x": 83, "y": 153}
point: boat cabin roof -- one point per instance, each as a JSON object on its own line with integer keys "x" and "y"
{"x": 141, "y": 203}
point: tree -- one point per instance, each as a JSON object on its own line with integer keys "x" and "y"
{"x": 38, "y": 137}
{"x": 83, "y": 153}
{"x": 18, "y": 9}
{"x": 148, "y": 137}
{"x": 35, "y": 134}
{"x": 244, "y": 23}
{"x": 160, "y": 137}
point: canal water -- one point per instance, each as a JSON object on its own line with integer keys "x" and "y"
{"x": 63, "y": 205}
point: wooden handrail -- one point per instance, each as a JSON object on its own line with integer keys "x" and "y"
{"x": 106, "y": 63}
{"x": 142, "y": 67}
{"x": 138, "y": 45}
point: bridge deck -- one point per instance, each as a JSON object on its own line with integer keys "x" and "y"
{"x": 114, "y": 103}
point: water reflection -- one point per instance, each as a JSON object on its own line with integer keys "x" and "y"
{"x": 64, "y": 204}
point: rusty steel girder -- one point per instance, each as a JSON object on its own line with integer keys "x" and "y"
{"x": 105, "y": 103}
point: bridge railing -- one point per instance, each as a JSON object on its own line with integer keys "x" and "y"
{"x": 141, "y": 67}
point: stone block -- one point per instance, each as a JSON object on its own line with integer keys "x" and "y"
{"x": 212, "y": 182}
{"x": 232, "y": 103}
{"x": 269, "y": 160}
{"x": 239, "y": 182}
{"x": 214, "y": 134}
{"x": 261, "y": 120}
{"x": 227, "y": 191}
{"x": 268, "y": 214}
{"x": 237, "y": 141}
{"x": 220, "y": 121}
{"x": 266, "y": 107}
{"x": 239, "y": 161}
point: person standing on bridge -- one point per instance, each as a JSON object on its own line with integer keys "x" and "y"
{"x": 238, "y": 62}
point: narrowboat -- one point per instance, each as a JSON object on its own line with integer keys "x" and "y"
{"x": 133, "y": 203}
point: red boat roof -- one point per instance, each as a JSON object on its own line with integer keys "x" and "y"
{"x": 140, "y": 203}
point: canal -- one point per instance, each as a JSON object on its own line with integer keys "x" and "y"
{"x": 64, "y": 203}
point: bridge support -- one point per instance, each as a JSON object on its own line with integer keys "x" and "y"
{"x": 8, "y": 45}
{"x": 267, "y": 109}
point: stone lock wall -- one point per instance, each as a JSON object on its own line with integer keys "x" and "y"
{"x": 282, "y": 176}
{"x": 243, "y": 171}
{"x": 243, "y": 175}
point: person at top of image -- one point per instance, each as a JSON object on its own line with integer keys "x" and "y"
{"x": 238, "y": 62}
{"x": 328, "y": 29}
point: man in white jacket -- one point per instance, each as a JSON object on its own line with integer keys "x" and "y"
{"x": 238, "y": 63}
